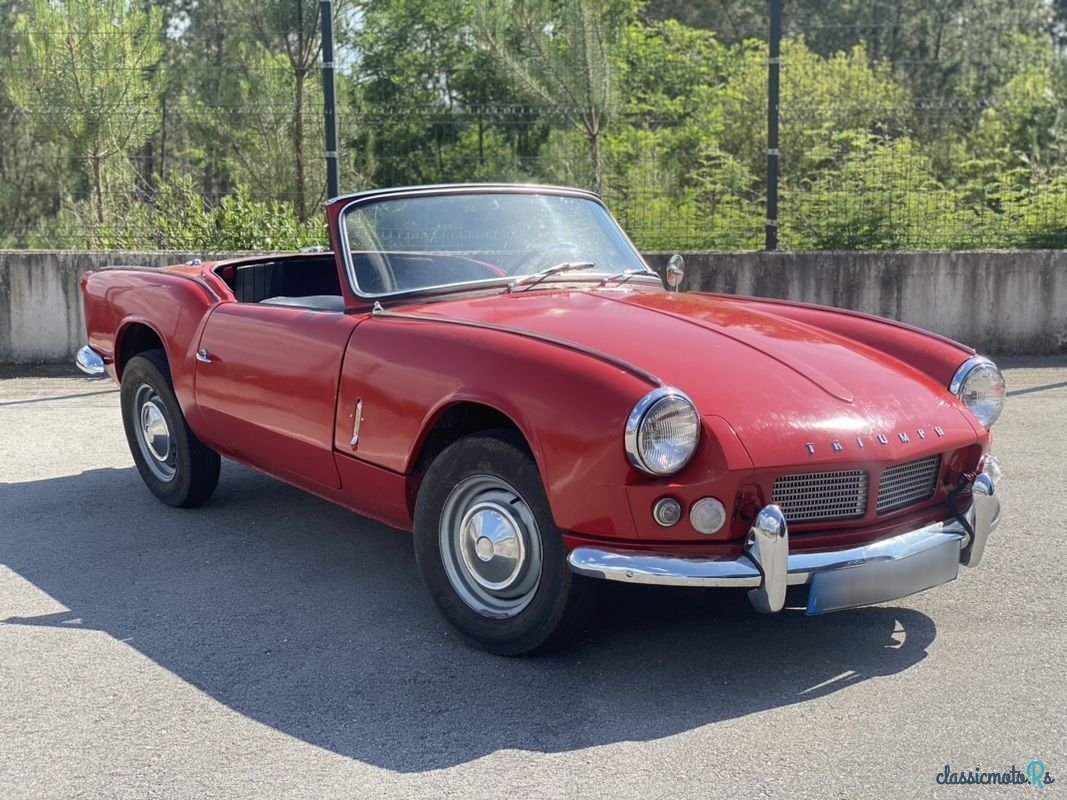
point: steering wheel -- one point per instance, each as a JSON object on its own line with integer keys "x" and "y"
{"x": 379, "y": 266}
{"x": 545, "y": 257}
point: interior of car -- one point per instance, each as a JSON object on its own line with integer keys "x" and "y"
{"x": 304, "y": 281}
{"x": 310, "y": 280}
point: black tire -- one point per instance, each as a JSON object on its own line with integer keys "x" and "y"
{"x": 190, "y": 472}
{"x": 544, "y": 616}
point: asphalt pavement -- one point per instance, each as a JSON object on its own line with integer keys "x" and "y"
{"x": 272, "y": 645}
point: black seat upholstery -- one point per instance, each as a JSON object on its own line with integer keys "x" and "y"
{"x": 316, "y": 302}
{"x": 288, "y": 276}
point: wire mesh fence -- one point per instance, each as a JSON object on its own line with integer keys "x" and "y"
{"x": 900, "y": 128}
{"x": 918, "y": 128}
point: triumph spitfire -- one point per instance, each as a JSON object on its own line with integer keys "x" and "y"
{"x": 496, "y": 369}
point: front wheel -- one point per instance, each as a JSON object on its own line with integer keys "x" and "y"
{"x": 489, "y": 552}
{"x": 176, "y": 466}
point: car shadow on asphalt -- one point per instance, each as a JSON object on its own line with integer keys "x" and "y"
{"x": 311, "y": 620}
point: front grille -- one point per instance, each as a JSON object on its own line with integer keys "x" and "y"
{"x": 907, "y": 484}
{"x": 822, "y": 496}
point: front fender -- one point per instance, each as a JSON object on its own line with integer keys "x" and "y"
{"x": 570, "y": 407}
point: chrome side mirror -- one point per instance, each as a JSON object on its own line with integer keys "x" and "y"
{"x": 675, "y": 272}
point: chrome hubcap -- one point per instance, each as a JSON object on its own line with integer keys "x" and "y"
{"x": 490, "y": 546}
{"x": 153, "y": 433}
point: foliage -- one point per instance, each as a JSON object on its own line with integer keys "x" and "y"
{"x": 196, "y": 124}
{"x": 428, "y": 105}
{"x": 849, "y": 206}
{"x": 91, "y": 75}
{"x": 820, "y": 99}
{"x": 563, "y": 56}
{"x": 181, "y": 220}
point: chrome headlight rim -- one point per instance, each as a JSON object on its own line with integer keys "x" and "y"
{"x": 636, "y": 419}
{"x": 966, "y": 371}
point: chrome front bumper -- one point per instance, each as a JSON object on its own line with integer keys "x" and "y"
{"x": 89, "y": 362}
{"x": 858, "y": 576}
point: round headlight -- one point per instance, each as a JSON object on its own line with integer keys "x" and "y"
{"x": 980, "y": 386}
{"x": 662, "y": 432}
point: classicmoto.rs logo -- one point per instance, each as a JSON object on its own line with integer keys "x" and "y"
{"x": 1035, "y": 774}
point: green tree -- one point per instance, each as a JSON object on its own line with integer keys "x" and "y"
{"x": 88, "y": 74}
{"x": 673, "y": 185}
{"x": 563, "y": 55}
{"x": 430, "y": 104}
{"x": 292, "y": 30}
{"x": 820, "y": 98}
{"x": 31, "y": 170}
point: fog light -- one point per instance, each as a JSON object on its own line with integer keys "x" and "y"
{"x": 667, "y": 512}
{"x": 707, "y": 515}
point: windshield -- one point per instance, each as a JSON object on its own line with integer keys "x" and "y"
{"x": 408, "y": 244}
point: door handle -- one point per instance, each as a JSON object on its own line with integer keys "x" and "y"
{"x": 203, "y": 356}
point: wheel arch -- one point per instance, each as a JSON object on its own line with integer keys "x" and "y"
{"x": 459, "y": 417}
{"x": 133, "y": 337}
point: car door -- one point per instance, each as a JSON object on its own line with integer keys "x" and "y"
{"x": 266, "y": 387}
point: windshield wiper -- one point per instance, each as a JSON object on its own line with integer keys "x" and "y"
{"x": 535, "y": 278}
{"x": 624, "y": 276}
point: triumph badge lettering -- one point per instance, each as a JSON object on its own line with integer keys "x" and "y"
{"x": 882, "y": 439}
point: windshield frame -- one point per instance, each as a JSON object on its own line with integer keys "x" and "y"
{"x": 374, "y": 196}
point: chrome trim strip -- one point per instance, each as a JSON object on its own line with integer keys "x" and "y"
{"x": 960, "y": 378}
{"x": 357, "y": 423}
{"x": 767, "y": 567}
{"x": 659, "y": 570}
{"x": 633, "y": 369}
{"x": 965, "y": 369}
{"x": 456, "y": 188}
{"x": 89, "y": 361}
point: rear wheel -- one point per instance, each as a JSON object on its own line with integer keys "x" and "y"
{"x": 489, "y": 552}
{"x": 176, "y": 466}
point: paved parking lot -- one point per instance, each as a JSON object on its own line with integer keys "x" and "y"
{"x": 272, "y": 645}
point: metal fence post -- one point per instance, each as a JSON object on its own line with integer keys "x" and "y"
{"x": 329, "y": 101}
{"x": 773, "y": 72}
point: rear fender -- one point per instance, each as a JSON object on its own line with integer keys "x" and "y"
{"x": 173, "y": 305}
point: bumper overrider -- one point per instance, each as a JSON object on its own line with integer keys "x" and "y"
{"x": 89, "y": 361}
{"x": 873, "y": 573}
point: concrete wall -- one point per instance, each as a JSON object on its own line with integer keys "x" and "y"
{"x": 41, "y": 314}
{"x": 998, "y": 302}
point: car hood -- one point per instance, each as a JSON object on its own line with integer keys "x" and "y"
{"x": 786, "y": 388}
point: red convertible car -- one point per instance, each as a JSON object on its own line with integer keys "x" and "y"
{"x": 496, "y": 369}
